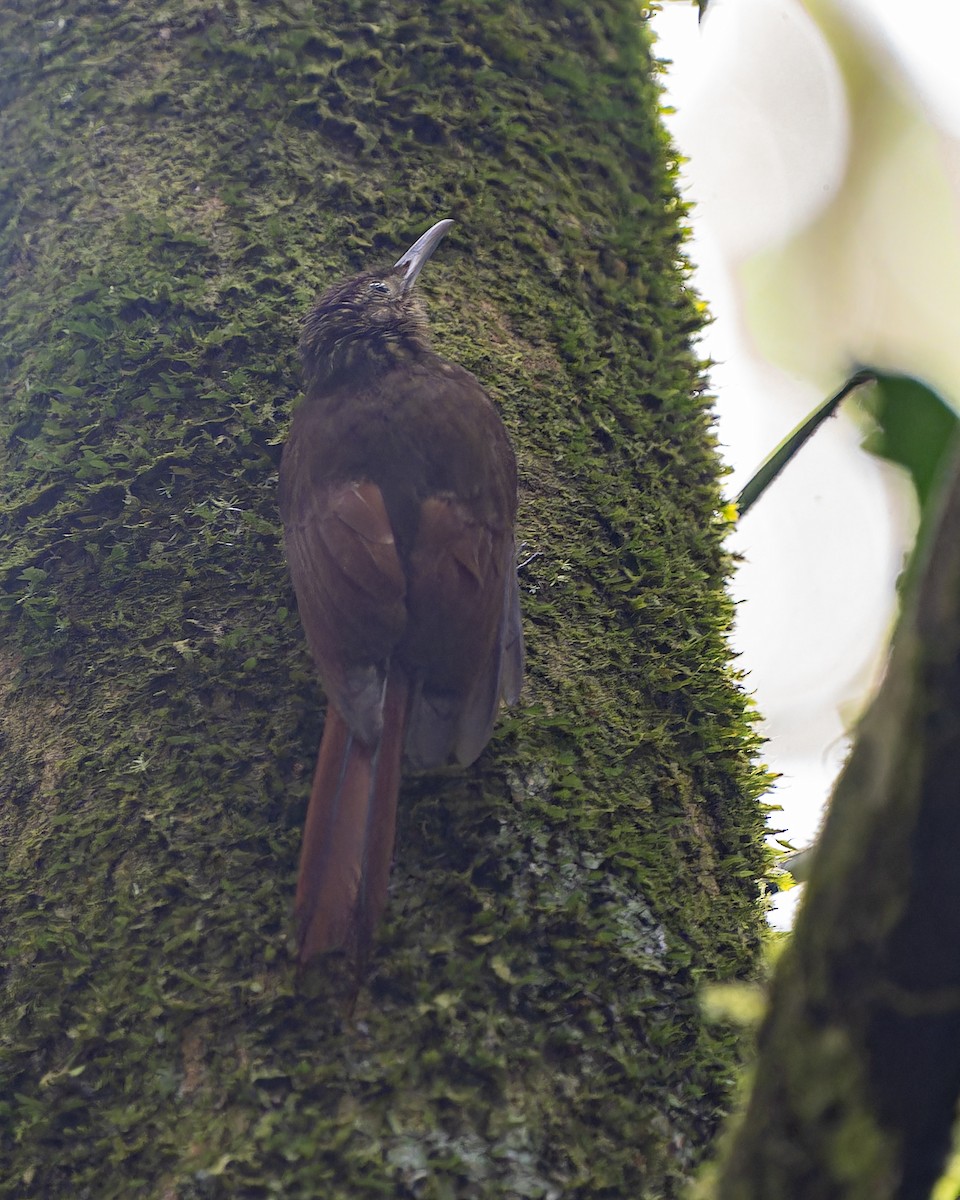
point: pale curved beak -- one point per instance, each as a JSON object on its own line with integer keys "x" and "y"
{"x": 420, "y": 251}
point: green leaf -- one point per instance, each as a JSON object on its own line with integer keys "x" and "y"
{"x": 795, "y": 441}
{"x": 915, "y": 427}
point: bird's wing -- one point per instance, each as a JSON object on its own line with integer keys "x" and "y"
{"x": 463, "y": 635}
{"x": 351, "y": 593}
{"x": 511, "y": 633}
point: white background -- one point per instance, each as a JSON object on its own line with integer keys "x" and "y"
{"x": 823, "y": 163}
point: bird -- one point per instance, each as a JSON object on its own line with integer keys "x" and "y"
{"x": 398, "y": 498}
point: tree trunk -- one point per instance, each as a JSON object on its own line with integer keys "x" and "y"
{"x": 176, "y": 182}
{"x": 859, "y": 1071}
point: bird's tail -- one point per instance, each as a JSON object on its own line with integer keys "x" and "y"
{"x": 349, "y": 834}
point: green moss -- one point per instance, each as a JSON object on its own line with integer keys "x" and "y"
{"x": 178, "y": 184}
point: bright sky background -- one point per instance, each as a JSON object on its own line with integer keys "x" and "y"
{"x": 824, "y": 161}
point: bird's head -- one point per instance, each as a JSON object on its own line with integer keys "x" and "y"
{"x": 362, "y": 318}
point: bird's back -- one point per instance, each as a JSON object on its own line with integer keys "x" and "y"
{"x": 426, "y": 435}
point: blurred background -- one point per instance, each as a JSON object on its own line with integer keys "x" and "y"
{"x": 822, "y": 156}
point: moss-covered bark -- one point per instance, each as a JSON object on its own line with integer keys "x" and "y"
{"x": 859, "y": 1070}
{"x": 175, "y": 184}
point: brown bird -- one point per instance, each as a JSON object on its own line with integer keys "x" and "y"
{"x": 398, "y": 493}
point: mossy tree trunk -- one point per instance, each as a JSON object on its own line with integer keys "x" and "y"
{"x": 858, "y": 1076}
{"x": 176, "y": 182}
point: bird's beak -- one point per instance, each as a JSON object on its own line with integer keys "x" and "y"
{"x": 420, "y": 251}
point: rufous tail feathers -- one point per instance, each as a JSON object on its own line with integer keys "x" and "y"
{"x": 349, "y": 833}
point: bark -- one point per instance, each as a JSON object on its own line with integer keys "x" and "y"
{"x": 859, "y": 1069}
{"x": 176, "y": 182}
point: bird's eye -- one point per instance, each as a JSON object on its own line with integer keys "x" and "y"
{"x": 379, "y": 287}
